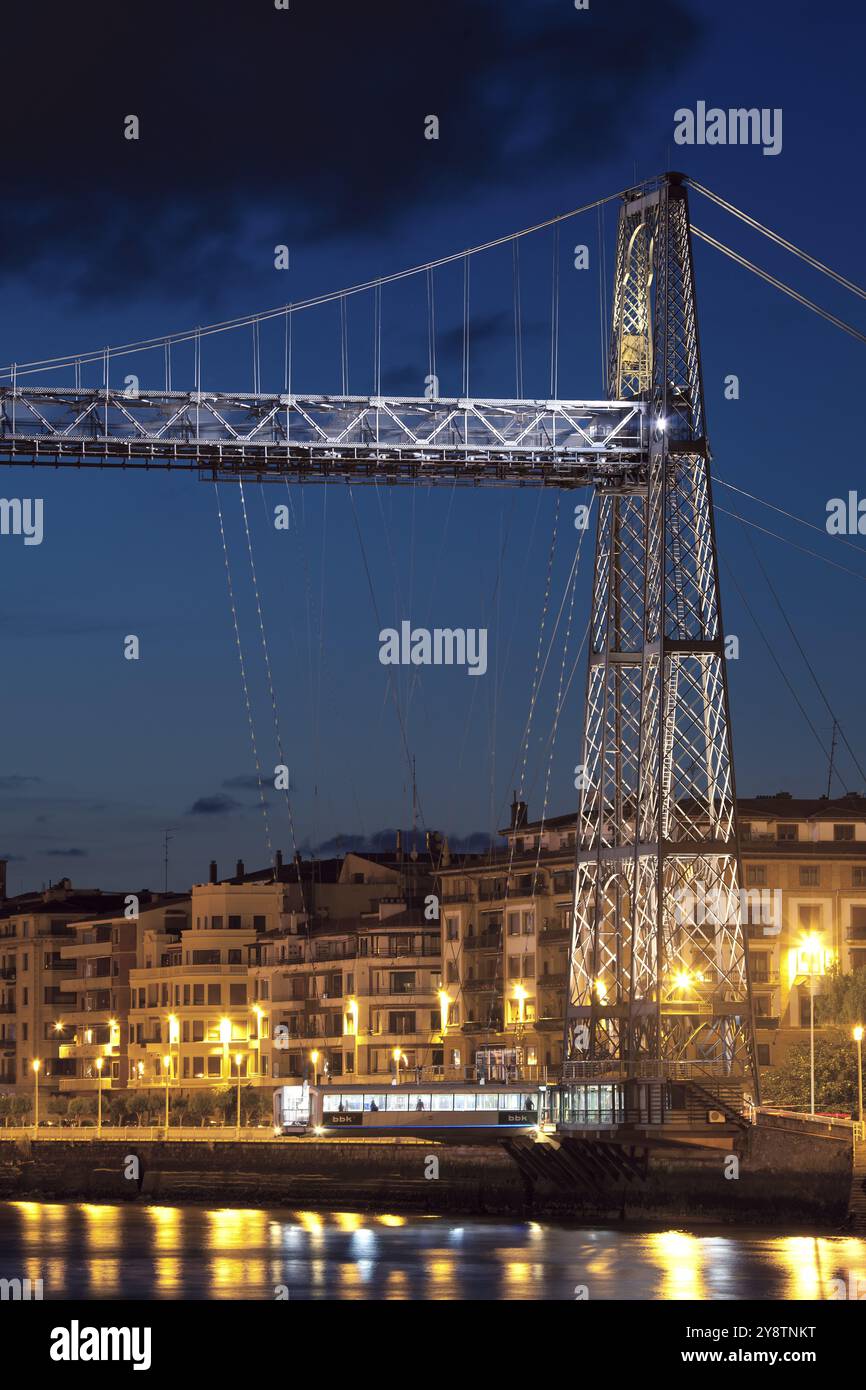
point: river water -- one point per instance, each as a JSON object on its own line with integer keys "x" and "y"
{"x": 85, "y": 1251}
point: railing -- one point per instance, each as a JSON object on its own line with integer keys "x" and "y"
{"x": 485, "y": 941}
{"x": 226, "y": 1134}
{"x": 643, "y": 1070}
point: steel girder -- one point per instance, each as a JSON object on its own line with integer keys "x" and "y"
{"x": 319, "y": 438}
{"x": 658, "y": 978}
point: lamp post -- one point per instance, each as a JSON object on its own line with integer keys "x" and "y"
{"x": 238, "y": 1060}
{"x": 225, "y": 1039}
{"x": 100, "y": 1063}
{"x": 397, "y": 1054}
{"x": 36, "y": 1065}
{"x": 858, "y": 1038}
{"x": 811, "y": 948}
{"x": 166, "y": 1063}
{"x": 314, "y": 1058}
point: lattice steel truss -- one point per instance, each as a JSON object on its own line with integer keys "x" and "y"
{"x": 658, "y": 978}
{"x": 394, "y": 439}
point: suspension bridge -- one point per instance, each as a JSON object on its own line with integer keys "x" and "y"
{"x": 657, "y": 814}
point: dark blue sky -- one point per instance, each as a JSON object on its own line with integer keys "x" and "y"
{"x": 261, "y": 127}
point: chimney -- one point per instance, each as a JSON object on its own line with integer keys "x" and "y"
{"x": 297, "y": 857}
{"x": 213, "y": 871}
{"x": 278, "y": 860}
{"x": 3, "y": 863}
{"x": 239, "y": 869}
{"x": 446, "y": 853}
{"x": 400, "y": 845}
{"x": 518, "y": 813}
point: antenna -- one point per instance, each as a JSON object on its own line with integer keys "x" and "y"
{"x": 832, "y": 757}
{"x": 167, "y": 835}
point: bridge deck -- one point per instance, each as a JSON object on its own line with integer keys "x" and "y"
{"x": 321, "y": 438}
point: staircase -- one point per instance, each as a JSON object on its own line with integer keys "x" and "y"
{"x": 857, "y": 1199}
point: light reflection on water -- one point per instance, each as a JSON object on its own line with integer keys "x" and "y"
{"x": 83, "y": 1250}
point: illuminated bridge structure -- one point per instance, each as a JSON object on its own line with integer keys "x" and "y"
{"x": 659, "y": 1013}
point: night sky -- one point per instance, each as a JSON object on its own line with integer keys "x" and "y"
{"x": 261, "y": 127}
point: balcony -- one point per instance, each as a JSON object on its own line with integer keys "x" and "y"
{"x": 485, "y": 941}
{"x": 767, "y": 1023}
{"x": 557, "y": 980}
{"x": 764, "y": 977}
{"x": 549, "y": 1024}
{"x": 8, "y": 972}
{"x": 553, "y": 932}
{"x": 483, "y": 986}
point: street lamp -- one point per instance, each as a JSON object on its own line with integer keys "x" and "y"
{"x": 166, "y": 1062}
{"x": 238, "y": 1060}
{"x": 398, "y": 1056}
{"x": 36, "y": 1065}
{"x": 444, "y": 1006}
{"x": 811, "y": 948}
{"x": 858, "y": 1038}
{"x": 100, "y": 1063}
{"x": 225, "y": 1039}
{"x": 314, "y": 1058}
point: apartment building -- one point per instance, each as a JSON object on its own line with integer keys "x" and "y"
{"x": 359, "y": 997}
{"x": 261, "y": 949}
{"x": 93, "y": 1031}
{"x": 808, "y": 856}
{"x": 506, "y": 932}
{"x": 37, "y": 988}
{"x": 506, "y": 927}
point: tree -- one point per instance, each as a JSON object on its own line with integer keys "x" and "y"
{"x": 201, "y": 1106}
{"x": 843, "y": 999}
{"x": 788, "y": 1085}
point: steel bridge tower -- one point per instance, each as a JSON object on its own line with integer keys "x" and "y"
{"x": 658, "y": 981}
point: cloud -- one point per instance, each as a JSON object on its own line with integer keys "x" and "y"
{"x": 385, "y": 840}
{"x": 14, "y": 858}
{"x": 66, "y": 854}
{"x": 248, "y": 783}
{"x": 13, "y": 782}
{"x": 218, "y": 805}
{"x": 261, "y": 126}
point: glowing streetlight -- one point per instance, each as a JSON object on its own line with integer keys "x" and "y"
{"x": 238, "y": 1060}
{"x": 444, "y": 1006}
{"x": 811, "y": 949}
{"x": 166, "y": 1063}
{"x": 36, "y": 1065}
{"x": 521, "y": 996}
{"x": 352, "y": 1017}
{"x": 398, "y": 1056}
{"x": 100, "y": 1063}
{"x": 225, "y": 1039}
{"x": 314, "y": 1058}
{"x": 858, "y": 1038}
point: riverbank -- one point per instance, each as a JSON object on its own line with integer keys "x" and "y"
{"x": 766, "y": 1177}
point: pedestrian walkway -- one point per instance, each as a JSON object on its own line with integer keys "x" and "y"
{"x": 857, "y": 1199}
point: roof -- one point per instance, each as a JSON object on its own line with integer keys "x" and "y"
{"x": 782, "y": 806}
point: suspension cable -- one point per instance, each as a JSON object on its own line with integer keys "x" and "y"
{"x": 244, "y": 320}
{"x": 244, "y": 683}
{"x": 779, "y": 240}
{"x": 270, "y": 680}
{"x": 779, "y": 285}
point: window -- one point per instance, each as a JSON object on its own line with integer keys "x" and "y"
{"x": 452, "y": 929}
{"x": 843, "y": 832}
{"x": 216, "y": 923}
{"x": 198, "y": 994}
{"x": 214, "y": 994}
{"x": 786, "y": 832}
{"x": 198, "y": 1030}
{"x": 858, "y": 878}
{"x": 809, "y": 915}
{"x": 810, "y": 876}
{"x": 238, "y": 994}
{"x": 213, "y": 1066}
{"x": 745, "y": 830}
{"x": 514, "y": 924}
{"x": 451, "y": 972}
{"x": 756, "y": 875}
{"x": 402, "y": 982}
{"x": 763, "y": 1054}
{"x": 258, "y": 924}
{"x": 234, "y": 923}
{"x": 401, "y": 1023}
{"x": 234, "y": 957}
